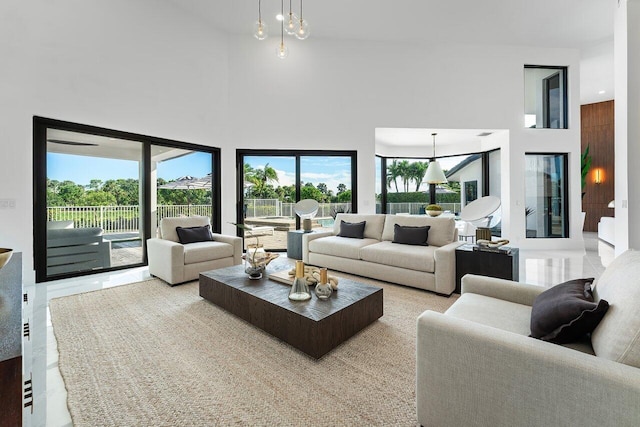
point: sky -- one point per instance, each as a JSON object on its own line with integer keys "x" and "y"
{"x": 82, "y": 169}
{"x": 315, "y": 169}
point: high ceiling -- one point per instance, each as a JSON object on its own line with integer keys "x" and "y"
{"x": 544, "y": 23}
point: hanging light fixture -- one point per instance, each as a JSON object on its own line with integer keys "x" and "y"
{"x": 282, "y": 51}
{"x": 291, "y": 21}
{"x": 302, "y": 31}
{"x": 260, "y": 30}
{"x": 434, "y": 174}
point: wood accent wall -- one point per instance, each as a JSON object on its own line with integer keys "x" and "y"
{"x": 597, "y": 131}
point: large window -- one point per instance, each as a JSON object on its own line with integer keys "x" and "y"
{"x": 402, "y": 187}
{"x": 100, "y": 193}
{"x": 546, "y": 207}
{"x": 272, "y": 181}
{"x": 545, "y": 97}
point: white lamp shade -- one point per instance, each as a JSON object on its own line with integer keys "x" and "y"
{"x": 434, "y": 174}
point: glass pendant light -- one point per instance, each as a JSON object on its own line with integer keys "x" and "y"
{"x": 282, "y": 51}
{"x": 302, "y": 32}
{"x": 260, "y": 28}
{"x": 434, "y": 174}
{"x": 291, "y": 21}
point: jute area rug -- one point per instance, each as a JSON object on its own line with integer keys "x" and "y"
{"x": 147, "y": 354}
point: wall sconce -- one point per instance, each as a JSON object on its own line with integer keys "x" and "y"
{"x": 598, "y": 176}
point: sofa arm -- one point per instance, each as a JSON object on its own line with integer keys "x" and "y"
{"x": 308, "y": 237}
{"x": 471, "y": 374}
{"x": 234, "y": 241}
{"x": 166, "y": 260}
{"x": 445, "y": 261}
{"x": 508, "y": 290}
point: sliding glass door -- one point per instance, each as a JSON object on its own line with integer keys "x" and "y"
{"x": 272, "y": 181}
{"x": 100, "y": 193}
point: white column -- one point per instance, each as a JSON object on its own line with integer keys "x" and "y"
{"x": 627, "y": 125}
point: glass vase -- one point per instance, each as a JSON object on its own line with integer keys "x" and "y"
{"x": 254, "y": 261}
{"x": 323, "y": 288}
{"x": 299, "y": 289}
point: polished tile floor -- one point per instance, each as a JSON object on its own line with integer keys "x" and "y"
{"x": 41, "y": 355}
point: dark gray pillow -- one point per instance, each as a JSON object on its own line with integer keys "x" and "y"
{"x": 354, "y": 230}
{"x": 411, "y": 235}
{"x": 194, "y": 234}
{"x": 566, "y": 312}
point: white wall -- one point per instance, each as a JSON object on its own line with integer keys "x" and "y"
{"x": 134, "y": 66}
{"x": 144, "y": 67}
{"x": 332, "y": 95}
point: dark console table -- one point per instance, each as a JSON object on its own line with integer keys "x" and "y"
{"x": 502, "y": 265}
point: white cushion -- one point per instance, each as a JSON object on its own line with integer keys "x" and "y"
{"x": 344, "y": 247}
{"x": 442, "y": 231}
{"x": 168, "y": 225}
{"x": 617, "y": 337}
{"x": 494, "y": 312}
{"x": 372, "y": 228}
{"x": 419, "y": 258}
{"x": 206, "y": 251}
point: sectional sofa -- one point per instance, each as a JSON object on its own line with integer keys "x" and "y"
{"x": 375, "y": 255}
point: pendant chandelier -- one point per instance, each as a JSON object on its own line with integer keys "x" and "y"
{"x": 434, "y": 174}
{"x": 290, "y": 23}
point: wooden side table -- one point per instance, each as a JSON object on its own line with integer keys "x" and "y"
{"x": 493, "y": 264}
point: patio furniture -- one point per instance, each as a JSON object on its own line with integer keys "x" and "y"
{"x": 72, "y": 249}
{"x": 175, "y": 262}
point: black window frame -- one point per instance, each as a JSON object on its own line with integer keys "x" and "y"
{"x": 241, "y": 153}
{"x": 40, "y": 126}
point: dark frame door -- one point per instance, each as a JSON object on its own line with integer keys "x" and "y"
{"x": 296, "y": 154}
{"x": 40, "y": 127}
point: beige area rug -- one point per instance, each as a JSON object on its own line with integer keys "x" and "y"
{"x": 147, "y": 354}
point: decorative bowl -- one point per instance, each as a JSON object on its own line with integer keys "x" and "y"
{"x": 434, "y": 213}
{"x": 5, "y": 256}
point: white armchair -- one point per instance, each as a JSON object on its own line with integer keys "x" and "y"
{"x": 477, "y": 366}
{"x": 176, "y": 263}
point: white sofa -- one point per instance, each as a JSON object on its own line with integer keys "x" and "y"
{"x": 430, "y": 267}
{"x": 476, "y": 364}
{"x": 176, "y": 263}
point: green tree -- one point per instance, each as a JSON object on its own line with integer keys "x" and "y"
{"x": 393, "y": 173}
{"x": 70, "y": 193}
{"x": 98, "y": 198}
{"x": 261, "y": 178}
{"x": 95, "y": 184}
{"x": 308, "y": 191}
{"x": 345, "y": 196}
{"x": 417, "y": 171}
{"x": 341, "y": 188}
{"x": 405, "y": 173}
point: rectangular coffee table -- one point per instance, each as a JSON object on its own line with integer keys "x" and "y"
{"x": 314, "y": 326}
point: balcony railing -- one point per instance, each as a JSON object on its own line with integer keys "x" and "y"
{"x": 126, "y": 219}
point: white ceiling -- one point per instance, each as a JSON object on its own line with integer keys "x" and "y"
{"x": 544, "y": 23}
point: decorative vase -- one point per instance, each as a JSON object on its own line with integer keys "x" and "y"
{"x": 323, "y": 288}
{"x": 254, "y": 261}
{"x": 434, "y": 213}
{"x": 299, "y": 289}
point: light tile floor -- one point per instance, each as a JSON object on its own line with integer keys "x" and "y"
{"x": 41, "y": 354}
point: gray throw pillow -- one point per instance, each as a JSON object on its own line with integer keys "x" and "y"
{"x": 354, "y": 230}
{"x": 194, "y": 234}
{"x": 566, "y": 312}
{"x": 411, "y": 235}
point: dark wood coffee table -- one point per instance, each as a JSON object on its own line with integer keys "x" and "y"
{"x": 314, "y": 326}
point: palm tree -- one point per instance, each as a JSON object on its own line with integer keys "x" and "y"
{"x": 262, "y": 177}
{"x": 392, "y": 174}
{"x": 405, "y": 173}
{"x": 417, "y": 171}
